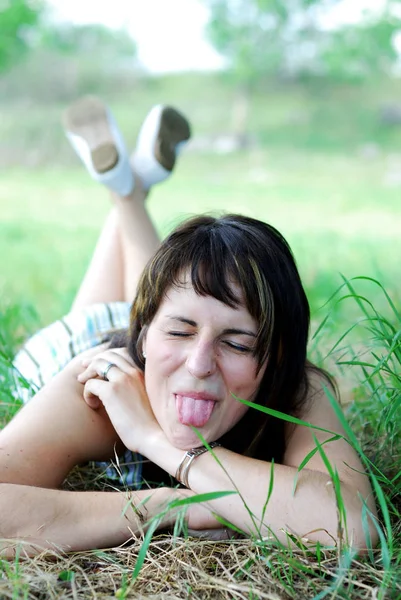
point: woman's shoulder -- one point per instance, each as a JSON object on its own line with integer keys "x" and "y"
{"x": 323, "y": 434}
{"x": 49, "y": 350}
{"x": 319, "y": 411}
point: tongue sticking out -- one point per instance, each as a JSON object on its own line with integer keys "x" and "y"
{"x": 194, "y": 412}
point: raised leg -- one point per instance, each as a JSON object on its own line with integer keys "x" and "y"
{"x": 138, "y": 238}
{"x": 104, "y": 278}
{"x": 128, "y": 238}
{"x": 127, "y": 241}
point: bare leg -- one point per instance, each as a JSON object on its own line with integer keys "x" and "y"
{"x": 127, "y": 241}
{"x": 103, "y": 280}
{"x": 138, "y": 238}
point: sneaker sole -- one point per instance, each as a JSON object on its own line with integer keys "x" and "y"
{"x": 88, "y": 119}
{"x": 174, "y": 128}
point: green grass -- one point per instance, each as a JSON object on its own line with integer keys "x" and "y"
{"x": 51, "y": 217}
{"x": 307, "y": 173}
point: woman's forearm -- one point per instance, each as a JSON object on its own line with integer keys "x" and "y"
{"x": 273, "y": 508}
{"x": 70, "y": 521}
{"x": 310, "y": 512}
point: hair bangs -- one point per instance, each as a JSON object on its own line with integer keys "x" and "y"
{"x": 206, "y": 263}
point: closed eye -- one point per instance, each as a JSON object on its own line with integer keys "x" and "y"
{"x": 238, "y": 347}
{"x": 179, "y": 333}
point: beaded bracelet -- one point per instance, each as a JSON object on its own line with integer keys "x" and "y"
{"x": 183, "y": 468}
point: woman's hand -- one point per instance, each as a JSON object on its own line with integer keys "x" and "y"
{"x": 122, "y": 394}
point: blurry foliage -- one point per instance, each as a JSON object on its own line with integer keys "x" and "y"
{"x": 67, "y": 60}
{"x": 362, "y": 51}
{"x": 287, "y": 38}
{"x": 48, "y": 76}
{"x": 97, "y": 41}
{"x": 290, "y": 39}
{"x": 19, "y": 23}
{"x": 60, "y": 59}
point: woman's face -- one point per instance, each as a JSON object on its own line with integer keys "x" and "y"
{"x": 198, "y": 354}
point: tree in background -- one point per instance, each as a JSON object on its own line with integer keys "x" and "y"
{"x": 61, "y": 59}
{"x": 364, "y": 50}
{"x": 81, "y": 59}
{"x": 19, "y": 24}
{"x": 94, "y": 40}
{"x": 290, "y": 39}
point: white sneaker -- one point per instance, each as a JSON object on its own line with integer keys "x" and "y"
{"x": 161, "y": 137}
{"x": 95, "y": 137}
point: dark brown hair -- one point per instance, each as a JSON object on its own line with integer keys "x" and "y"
{"x": 216, "y": 252}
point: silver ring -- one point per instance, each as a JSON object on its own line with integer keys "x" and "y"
{"x": 107, "y": 369}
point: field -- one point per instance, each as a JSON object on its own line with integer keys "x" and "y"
{"x": 320, "y": 168}
{"x": 325, "y": 170}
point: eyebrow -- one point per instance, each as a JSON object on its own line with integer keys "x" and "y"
{"x": 230, "y": 331}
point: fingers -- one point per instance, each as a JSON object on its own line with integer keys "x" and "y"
{"x": 92, "y": 391}
{"x": 99, "y": 366}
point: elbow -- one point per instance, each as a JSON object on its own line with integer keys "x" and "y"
{"x": 358, "y": 529}
{"x": 7, "y": 501}
{"x": 349, "y": 521}
{"x": 355, "y": 536}
{"x": 361, "y": 533}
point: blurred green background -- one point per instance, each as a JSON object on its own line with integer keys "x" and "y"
{"x": 301, "y": 128}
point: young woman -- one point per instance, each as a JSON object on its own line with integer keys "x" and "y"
{"x": 219, "y": 316}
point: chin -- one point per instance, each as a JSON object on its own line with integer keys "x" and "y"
{"x": 185, "y": 438}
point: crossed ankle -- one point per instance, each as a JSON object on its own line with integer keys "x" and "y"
{"x": 97, "y": 140}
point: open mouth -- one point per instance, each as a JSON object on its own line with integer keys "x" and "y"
{"x": 193, "y": 411}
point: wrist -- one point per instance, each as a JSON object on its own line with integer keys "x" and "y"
{"x": 149, "y": 442}
{"x": 163, "y": 509}
{"x": 147, "y": 505}
{"x": 163, "y": 453}
{"x": 187, "y": 460}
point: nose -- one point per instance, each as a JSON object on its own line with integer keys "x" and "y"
{"x": 201, "y": 360}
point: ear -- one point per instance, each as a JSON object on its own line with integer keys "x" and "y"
{"x": 143, "y": 336}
